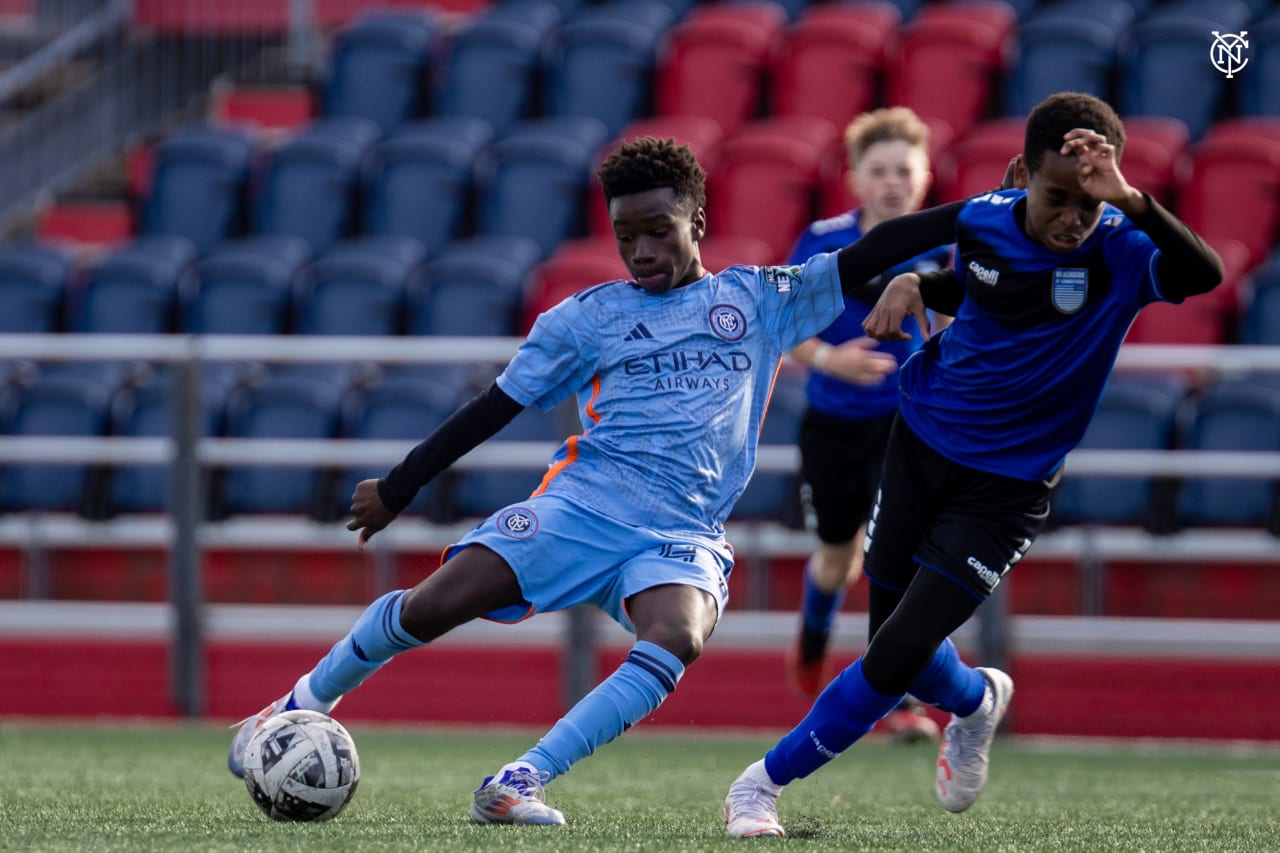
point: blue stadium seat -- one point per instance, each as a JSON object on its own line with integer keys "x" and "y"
{"x": 601, "y": 62}
{"x": 774, "y": 496}
{"x": 1163, "y": 62}
{"x": 358, "y": 287}
{"x": 406, "y": 408}
{"x": 65, "y": 405}
{"x": 491, "y": 67}
{"x": 291, "y": 406}
{"x": 533, "y": 181}
{"x": 33, "y": 287}
{"x": 379, "y": 66}
{"x": 421, "y": 179}
{"x": 1259, "y": 95}
{"x": 1135, "y": 413}
{"x": 1261, "y": 319}
{"x": 1118, "y": 15}
{"x": 1059, "y": 53}
{"x": 479, "y": 493}
{"x": 198, "y": 185}
{"x": 244, "y": 287}
{"x": 473, "y": 287}
{"x": 309, "y": 187}
{"x": 134, "y": 289}
{"x": 1237, "y": 415}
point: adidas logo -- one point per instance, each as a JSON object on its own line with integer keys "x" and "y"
{"x": 638, "y": 333}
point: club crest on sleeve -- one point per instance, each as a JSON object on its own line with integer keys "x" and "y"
{"x": 1070, "y": 287}
{"x": 518, "y": 522}
{"x": 727, "y": 322}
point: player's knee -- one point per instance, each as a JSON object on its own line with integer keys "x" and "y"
{"x": 686, "y": 645}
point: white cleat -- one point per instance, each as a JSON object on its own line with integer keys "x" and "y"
{"x": 244, "y": 733}
{"x": 751, "y": 808}
{"x": 514, "y": 795}
{"x": 966, "y": 744}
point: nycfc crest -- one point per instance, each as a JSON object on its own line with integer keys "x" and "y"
{"x": 518, "y": 522}
{"x": 1070, "y": 287}
{"x": 1227, "y": 52}
{"x": 727, "y": 322}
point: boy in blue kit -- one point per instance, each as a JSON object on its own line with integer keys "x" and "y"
{"x": 1051, "y": 277}
{"x": 672, "y": 371}
{"x": 846, "y": 425}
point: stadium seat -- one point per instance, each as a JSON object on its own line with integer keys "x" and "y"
{"x": 998, "y": 16}
{"x": 600, "y": 62}
{"x": 1117, "y": 15}
{"x": 405, "y": 409}
{"x": 473, "y": 287}
{"x": 575, "y": 265}
{"x": 133, "y": 289}
{"x": 309, "y": 186}
{"x": 1259, "y": 96}
{"x": 378, "y": 67}
{"x": 906, "y": 8}
{"x": 715, "y": 62}
{"x": 87, "y": 224}
{"x": 421, "y": 179}
{"x": 830, "y": 61}
{"x": 726, "y": 250}
{"x": 491, "y": 66}
{"x": 481, "y": 492}
{"x": 1135, "y": 413}
{"x": 243, "y": 287}
{"x": 358, "y": 287}
{"x": 765, "y": 180}
{"x": 701, "y": 134}
{"x": 1233, "y": 188}
{"x": 1235, "y": 415}
{"x": 267, "y": 109}
{"x": 1154, "y": 147}
{"x": 533, "y": 181}
{"x": 1261, "y": 318}
{"x": 198, "y": 183}
{"x": 792, "y": 9}
{"x": 65, "y": 405}
{"x": 947, "y": 68}
{"x": 977, "y": 163}
{"x": 775, "y": 495}
{"x": 1057, "y": 53}
{"x": 288, "y": 406}
{"x": 1164, "y": 68}
{"x": 33, "y": 286}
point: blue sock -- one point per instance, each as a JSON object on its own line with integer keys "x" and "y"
{"x": 845, "y": 711}
{"x": 634, "y": 690}
{"x": 818, "y": 608}
{"x": 375, "y": 638}
{"x": 949, "y": 683}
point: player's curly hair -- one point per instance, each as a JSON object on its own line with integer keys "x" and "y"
{"x": 1057, "y": 114}
{"x": 649, "y": 163}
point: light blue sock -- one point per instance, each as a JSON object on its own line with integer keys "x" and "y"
{"x": 375, "y": 638}
{"x": 634, "y": 691}
{"x": 843, "y": 712}
{"x": 949, "y": 683}
{"x": 818, "y": 608}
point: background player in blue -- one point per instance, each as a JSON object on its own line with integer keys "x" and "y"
{"x": 672, "y": 371}
{"x": 1053, "y": 276}
{"x": 846, "y": 426}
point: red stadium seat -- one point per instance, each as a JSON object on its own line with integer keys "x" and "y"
{"x": 89, "y": 223}
{"x": 714, "y": 63}
{"x": 575, "y": 265}
{"x": 1233, "y": 188}
{"x": 269, "y": 108}
{"x": 700, "y": 133}
{"x": 1154, "y": 146}
{"x": 996, "y": 15}
{"x": 830, "y": 60}
{"x": 765, "y": 180}
{"x": 1203, "y": 319}
{"x": 977, "y": 163}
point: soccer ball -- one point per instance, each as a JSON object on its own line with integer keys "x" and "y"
{"x": 301, "y": 766}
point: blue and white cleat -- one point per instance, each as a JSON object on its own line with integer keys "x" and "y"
{"x": 966, "y": 744}
{"x": 245, "y": 729}
{"x": 751, "y": 808}
{"x": 514, "y": 795}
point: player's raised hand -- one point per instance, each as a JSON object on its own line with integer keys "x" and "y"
{"x": 1097, "y": 167}
{"x": 901, "y": 299}
{"x": 370, "y": 515}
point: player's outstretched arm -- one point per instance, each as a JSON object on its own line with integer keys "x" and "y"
{"x": 892, "y": 242}
{"x": 376, "y": 503}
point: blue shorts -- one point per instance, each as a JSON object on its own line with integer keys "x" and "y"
{"x": 563, "y": 554}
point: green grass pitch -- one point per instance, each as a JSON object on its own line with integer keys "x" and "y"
{"x": 165, "y": 788}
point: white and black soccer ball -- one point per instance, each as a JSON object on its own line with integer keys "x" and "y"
{"x": 301, "y": 766}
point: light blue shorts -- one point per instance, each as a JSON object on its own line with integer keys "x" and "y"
{"x": 564, "y": 554}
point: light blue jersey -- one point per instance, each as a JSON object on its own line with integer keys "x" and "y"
{"x": 671, "y": 389}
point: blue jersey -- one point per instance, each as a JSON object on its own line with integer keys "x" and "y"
{"x": 671, "y": 389}
{"x": 1011, "y": 385}
{"x": 834, "y": 396}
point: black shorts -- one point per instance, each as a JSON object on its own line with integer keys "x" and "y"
{"x": 969, "y": 525}
{"x": 840, "y": 462}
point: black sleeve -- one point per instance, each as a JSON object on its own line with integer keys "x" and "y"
{"x": 475, "y": 421}
{"x": 941, "y": 291}
{"x": 895, "y": 241}
{"x": 1187, "y": 265}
